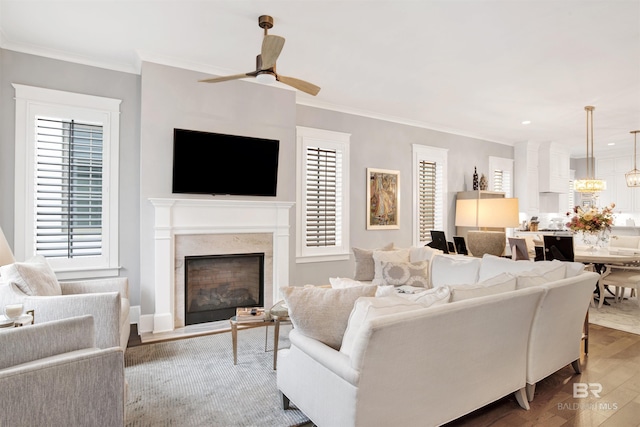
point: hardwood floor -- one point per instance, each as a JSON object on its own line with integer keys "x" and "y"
{"x": 613, "y": 362}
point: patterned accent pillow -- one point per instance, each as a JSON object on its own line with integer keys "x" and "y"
{"x": 33, "y": 277}
{"x": 406, "y": 273}
{"x": 380, "y": 257}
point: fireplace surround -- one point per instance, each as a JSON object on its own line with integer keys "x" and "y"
{"x": 191, "y": 227}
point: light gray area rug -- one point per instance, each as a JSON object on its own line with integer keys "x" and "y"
{"x": 624, "y": 316}
{"x": 193, "y": 382}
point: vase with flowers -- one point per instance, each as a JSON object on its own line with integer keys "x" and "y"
{"x": 594, "y": 224}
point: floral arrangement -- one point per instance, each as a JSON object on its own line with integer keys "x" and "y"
{"x": 592, "y": 220}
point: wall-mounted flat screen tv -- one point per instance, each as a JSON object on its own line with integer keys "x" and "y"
{"x": 213, "y": 163}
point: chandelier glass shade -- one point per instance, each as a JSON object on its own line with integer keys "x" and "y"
{"x": 590, "y": 184}
{"x": 633, "y": 176}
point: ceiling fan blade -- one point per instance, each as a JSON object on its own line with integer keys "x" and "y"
{"x": 226, "y": 78}
{"x": 306, "y": 87}
{"x": 271, "y": 48}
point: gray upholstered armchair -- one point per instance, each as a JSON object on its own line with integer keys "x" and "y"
{"x": 53, "y": 374}
{"x": 107, "y": 300}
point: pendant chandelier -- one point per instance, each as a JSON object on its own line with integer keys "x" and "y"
{"x": 590, "y": 184}
{"x": 633, "y": 177}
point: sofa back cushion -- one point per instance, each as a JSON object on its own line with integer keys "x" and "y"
{"x": 503, "y": 282}
{"x": 493, "y": 265}
{"x": 368, "y": 308}
{"x": 454, "y": 270}
{"x": 323, "y": 313}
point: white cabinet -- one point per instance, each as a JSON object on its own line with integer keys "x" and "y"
{"x": 526, "y": 177}
{"x": 553, "y": 168}
{"x": 612, "y": 171}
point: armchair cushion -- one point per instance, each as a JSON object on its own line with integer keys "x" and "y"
{"x": 33, "y": 277}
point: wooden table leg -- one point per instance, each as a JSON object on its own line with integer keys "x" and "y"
{"x": 276, "y": 337}
{"x": 234, "y": 340}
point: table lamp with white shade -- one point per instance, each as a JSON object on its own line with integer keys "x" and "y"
{"x": 486, "y": 214}
{"x": 6, "y": 255}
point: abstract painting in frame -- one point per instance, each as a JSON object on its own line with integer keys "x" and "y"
{"x": 383, "y": 199}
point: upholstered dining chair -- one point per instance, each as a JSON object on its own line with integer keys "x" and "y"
{"x": 622, "y": 277}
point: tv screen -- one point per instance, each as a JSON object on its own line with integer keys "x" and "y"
{"x": 213, "y": 163}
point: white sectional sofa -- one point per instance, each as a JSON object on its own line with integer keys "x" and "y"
{"x": 406, "y": 363}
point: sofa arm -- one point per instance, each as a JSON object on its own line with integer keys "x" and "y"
{"x": 111, "y": 284}
{"x": 84, "y": 389}
{"x": 105, "y": 309}
{"x": 45, "y": 340}
{"x": 331, "y": 359}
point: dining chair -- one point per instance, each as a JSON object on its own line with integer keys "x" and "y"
{"x": 622, "y": 277}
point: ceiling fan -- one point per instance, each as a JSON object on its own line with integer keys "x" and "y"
{"x": 266, "y": 63}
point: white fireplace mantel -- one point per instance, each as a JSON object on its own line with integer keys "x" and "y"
{"x": 200, "y": 216}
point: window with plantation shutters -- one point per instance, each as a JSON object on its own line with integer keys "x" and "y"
{"x": 68, "y": 188}
{"x": 322, "y": 207}
{"x": 501, "y": 175}
{"x": 69, "y": 145}
{"x": 430, "y": 165}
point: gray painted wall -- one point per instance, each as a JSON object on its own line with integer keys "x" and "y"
{"x": 163, "y": 97}
{"x": 53, "y": 74}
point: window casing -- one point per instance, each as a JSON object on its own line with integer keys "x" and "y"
{"x": 322, "y": 196}
{"x": 430, "y": 189}
{"x": 66, "y": 206}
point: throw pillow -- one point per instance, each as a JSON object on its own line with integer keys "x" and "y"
{"x": 379, "y": 257}
{"x": 323, "y": 313}
{"x": 364, "y": 262}
{"x": 454, "y": 270}
{"x": 33, "y": 277}
{"x": 430, "y": 297}
{"x": 343, "y": 282}
{"x": 385, "y": 291}
{"x": 406, "y": 273}
{"x": 504, "y": 282}
{"x": 370, "y": 308}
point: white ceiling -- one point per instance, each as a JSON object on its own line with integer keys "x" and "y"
{"x": 476, "y": 67}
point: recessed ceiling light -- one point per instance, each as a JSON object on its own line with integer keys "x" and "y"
{"x": 526, "y": 122}
{"x": 611, "y": 143}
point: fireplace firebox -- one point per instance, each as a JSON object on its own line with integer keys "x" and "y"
{"x": 215, "y": 285}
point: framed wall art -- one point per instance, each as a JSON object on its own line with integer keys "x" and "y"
{"x": 383, "y": 199}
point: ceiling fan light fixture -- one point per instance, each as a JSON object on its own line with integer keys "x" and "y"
{"x": 266, "y": 78}
{"x": 590, "y": 184}
{"x": 633, "y": 177}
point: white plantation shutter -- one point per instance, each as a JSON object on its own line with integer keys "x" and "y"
{"x": 501, "y": 175}
{"x": 322, "y": 201}
{"x": 324, "y": 197}
{"x": 68, "y": 188}
{"x": 502, "y": 182}
{"x": 428, "y": 200}
{"x": 430, "y": 190}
